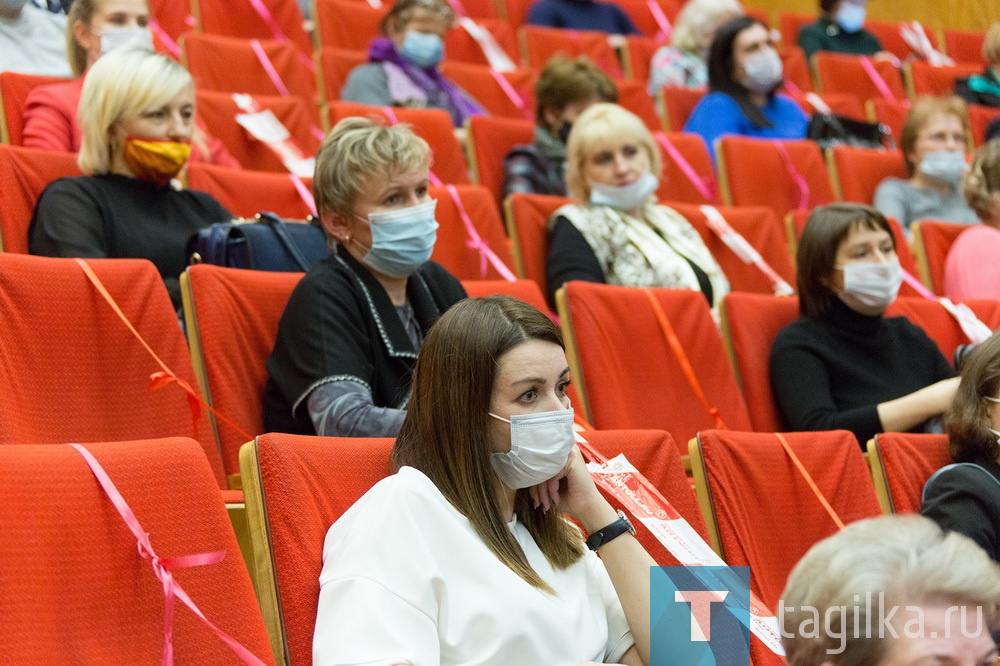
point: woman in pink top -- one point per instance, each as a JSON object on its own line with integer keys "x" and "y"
{"x": 971, "y": 269}
{"x": 93, "y": 28}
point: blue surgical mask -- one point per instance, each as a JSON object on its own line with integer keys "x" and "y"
{"x": 947, "y": 166}
{"x": 402, "y": 240}
{"x": 851, "y": 16}
{"x": 423, "y": 49}
{"x": 540, "y": 445}
{"x": 625, "y": 198}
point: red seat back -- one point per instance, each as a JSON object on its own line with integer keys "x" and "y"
{"x": 489, "y": 139}
{"x": 750, "y": 323}
{"x": 347, "y": 24}
{"x": 453, "y": 250}
{"x": 460, "y": 45}
{"x": 841, "y": 73}
{"x": 761, "y": 229}
{"x": 678, "y": 103}
{"x": 965, "y": 45}
{"x": 482, "y": 84}
{"x": 230, "y": 304}
{"x": 527, "y": 220}
{"x": 939, "y": 80}
{"x": 675, "y": 183}
{"x": 70, "y": 371}
{"x": 14, "y": 89}
{"x": 281, "y": 20}
{"x": 932, "y": 240}
{"x": 243, "y": 71}
{"x": 643, "y": 386}
{"x": 858, "y": 171}
{"x": 767, "y": 515}
{"x": 334, "y": 66}
{"x": 524, "y": 290}
{"x": 539, "y": 44}
{"x": 75, "y": 588}
{"x": 245, "y": 193}
{"x": 980, "y": 118}
{"x": 888, "y": 33}
{"x": 218, "y": 111}
{"x": 753, "y": 172}
{"x": 24, "y": 173}
{"x": 908, "y": 460}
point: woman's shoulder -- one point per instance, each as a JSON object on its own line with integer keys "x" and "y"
{"x": 803, "y": 332}
{"x": 975, "y": 478}
{"x": 893, "y": 184}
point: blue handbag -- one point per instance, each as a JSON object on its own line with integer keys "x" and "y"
{"x": 266, "y": 244}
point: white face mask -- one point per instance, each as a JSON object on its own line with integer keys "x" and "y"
{"x": 948, "y": 166}
{"x": 540, "y": 445}
{"x": 115, "y": 38}
{"x": 628, "y": 197}
{"x": 402, "y": 240}
{"x": 851, "y": 16}
{"x": 872, "y": 285}
{"x": 762, "y": 71}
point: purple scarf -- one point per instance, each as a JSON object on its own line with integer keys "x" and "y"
{"x": 436, "y": 89}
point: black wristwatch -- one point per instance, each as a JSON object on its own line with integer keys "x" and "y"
{"x": 615, "y": 529}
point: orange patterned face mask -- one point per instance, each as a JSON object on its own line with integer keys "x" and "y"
{"x": 156, "y": 160}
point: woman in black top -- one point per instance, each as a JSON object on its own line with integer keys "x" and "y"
{"x": 349, "y": 336}
{"x": 965, "y": 497}
{"x": 137, "y": 115}
{"x": 842, "y": 365}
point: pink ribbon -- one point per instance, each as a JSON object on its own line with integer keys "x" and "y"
{"x": 272, "y": 73}
{"x": 394, "y": 120}
{"x": 164, "y": 38}
{"x": 742, "y": 248}
{"x": 486, "y": 254}
{"x": 791, "y": 87}
{"x": 269, "y": 69}
{"x": 458, "y": 7}
{"x": 277, "y": 32}
{"x": 163, "y": 566}
{"x": 797, "y": 177}
{"x": 304, "y": 193}
{"x": 705, "y": 186}
{"x": 511, "y": 93}
{"x": 876, "y": 78}
{"x": 662, "y": 22}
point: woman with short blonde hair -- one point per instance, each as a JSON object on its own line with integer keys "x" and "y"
{"x": 938, "y": 594}
{"x": 349, "y": 336}
{"x": 618, "y": 234}
{"x": 683, "y": 62}
{"x": 137, "y": 111}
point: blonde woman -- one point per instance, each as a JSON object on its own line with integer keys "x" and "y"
{"x": 349, "y": 335}
{"x": 683, "y": 62}
{"x": 620, "y": 235}
{"x": 892, "y": 591}
{"x": 137, "y": 113}
{"x": 464, "y": 556}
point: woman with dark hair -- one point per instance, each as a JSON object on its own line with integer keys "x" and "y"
{"x": 965, "y": 496}
{"x": 843, "y": 365}
{"x": 840, "y": 29}
{"x": 744, "y": 74}
{"x": 465, "y": 555}
{"x": 405, "y": 61}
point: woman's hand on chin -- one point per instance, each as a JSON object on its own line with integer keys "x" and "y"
{"x": 573, "y": 491}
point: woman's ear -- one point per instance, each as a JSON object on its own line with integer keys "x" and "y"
{"x": 335, "y": 226}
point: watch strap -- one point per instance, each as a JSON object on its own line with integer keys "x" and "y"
{"x": 602, "y": 536}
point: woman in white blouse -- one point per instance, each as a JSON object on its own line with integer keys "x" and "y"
{"x": 464, "y": 556}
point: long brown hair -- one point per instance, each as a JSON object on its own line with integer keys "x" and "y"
{"x": 445, "y": 434}
{"x": 967, "y": 420}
